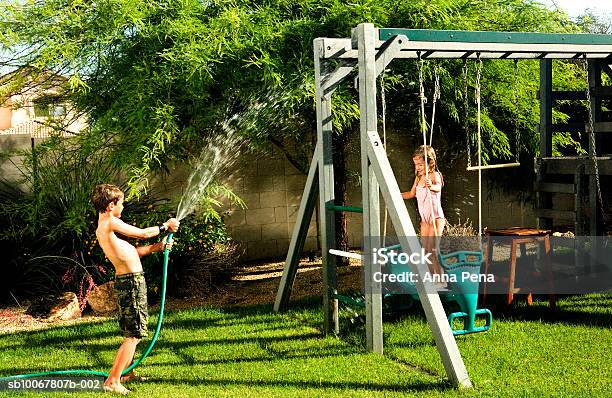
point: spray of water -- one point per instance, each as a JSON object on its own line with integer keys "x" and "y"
{"x": 218, "y": 156}
{"x": 222, "y": 152}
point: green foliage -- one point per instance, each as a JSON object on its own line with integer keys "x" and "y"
{"x": 157, "y": 78}
{"x": 210, "y": 202}
{"x": 50, "y": 223}
{"x": 50, "y": 219}
{"x": 58, "y": 177}
{"x": 199, "y": 236}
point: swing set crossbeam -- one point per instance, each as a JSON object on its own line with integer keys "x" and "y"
{"x": 449, "y": 44}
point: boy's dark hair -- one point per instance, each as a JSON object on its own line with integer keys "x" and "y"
{"x": 104, "y": 194}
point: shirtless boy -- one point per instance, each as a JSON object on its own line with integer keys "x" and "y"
{"x": 130, "y": 283}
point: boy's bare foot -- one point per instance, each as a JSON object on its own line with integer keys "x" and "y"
{"x": 116, "y": 388}
{"x": 131, "y": 376}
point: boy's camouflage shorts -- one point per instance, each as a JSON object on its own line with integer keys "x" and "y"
{"x": 131, "y": 292}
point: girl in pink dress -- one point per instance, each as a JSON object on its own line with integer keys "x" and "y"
{"x": 427, "y": 188}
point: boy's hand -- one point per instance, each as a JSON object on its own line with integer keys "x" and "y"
{"x": 166, "y": 245}
{"x": 173, "y": 224}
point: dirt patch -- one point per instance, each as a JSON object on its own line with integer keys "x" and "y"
{"x": 255, "y": 284}
{"x": 15, "y": 319}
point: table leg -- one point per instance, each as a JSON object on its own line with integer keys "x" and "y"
{"x": 488, "y": 256}
{"x": 510, "y": 295}
{"x": 523, "y": 248}
{"x": 552, "y": 302}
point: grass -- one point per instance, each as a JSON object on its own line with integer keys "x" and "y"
{"x": 249, "y": 352}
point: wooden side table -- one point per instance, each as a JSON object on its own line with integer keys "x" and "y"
{"x": 519, "y": 238}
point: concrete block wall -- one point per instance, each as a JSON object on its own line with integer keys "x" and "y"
{"x": 271, "y": 189}
{"x": 10, "y": 143}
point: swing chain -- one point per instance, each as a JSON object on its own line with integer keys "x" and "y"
{"x": 422, "y": 97}
{"x": 436, "y": 97}
{"x": 591, "y": 128}
{"x": 477, "y": 100}
{"x": 479, "y": 147}
{"x": 420, "y": 64}
{"x": 383, "y": 101}
{"x": 466, "y": 125}
{"x": 478, "y": 77}
{"x": 517, "y": 105}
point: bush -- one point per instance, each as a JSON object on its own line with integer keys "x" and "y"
{"x": 50, "y": 239}
{"x": 203, "y": 254}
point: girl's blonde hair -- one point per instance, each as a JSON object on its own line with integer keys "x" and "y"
{"x": 431, "y": 158}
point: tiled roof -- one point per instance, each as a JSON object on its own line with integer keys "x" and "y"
{"x": 35, "y": 130}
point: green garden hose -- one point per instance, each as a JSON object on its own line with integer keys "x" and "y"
{"x": 75, "y": 372}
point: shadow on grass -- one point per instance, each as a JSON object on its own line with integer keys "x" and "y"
{"x": 258, "y": 317}
{"x": 572, "y": 310}
{"x": 373, "y": 387}
{"x": 187, "y": 360}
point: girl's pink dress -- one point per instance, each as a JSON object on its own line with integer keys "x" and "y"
{"x": 424, "y": 203}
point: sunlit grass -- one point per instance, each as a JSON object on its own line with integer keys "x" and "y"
{"x": 530, "y": 351}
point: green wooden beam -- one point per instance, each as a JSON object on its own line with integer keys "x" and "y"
{"x": 462, "y": 36}
{"x": 350, "y": 209}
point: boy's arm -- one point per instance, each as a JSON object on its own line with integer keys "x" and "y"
{"x": 148, "y": 249}
{"x": 155, "y": 247}
{"x": 412, "y": 193}
{"x": 132, "y": 231}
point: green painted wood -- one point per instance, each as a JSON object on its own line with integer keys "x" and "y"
{"x": 428, "y": 35}
{"x": 350, "y": 209}
{"x": 300, "y": 232}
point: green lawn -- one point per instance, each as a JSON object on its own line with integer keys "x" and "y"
{"x": 249, "y": 352}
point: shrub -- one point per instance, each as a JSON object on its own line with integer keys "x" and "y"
{"x": 50, "y": 238}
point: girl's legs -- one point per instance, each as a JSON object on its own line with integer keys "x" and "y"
{"x": 440, "y": 223}
{"x": 428, "y": 239}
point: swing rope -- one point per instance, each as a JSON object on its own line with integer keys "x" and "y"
{"x": 383, "y": 101}
{"x": 478, "y": 132}
{"x": 517, "y": 113}
{"x": 516, "y": 123}
{"x": 423, "y": 124}
{"x": 466, "y": 109}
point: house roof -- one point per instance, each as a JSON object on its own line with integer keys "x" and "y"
{"x": 36, "y": 129}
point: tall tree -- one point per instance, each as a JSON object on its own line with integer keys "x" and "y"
{"x": 157, "y": 78}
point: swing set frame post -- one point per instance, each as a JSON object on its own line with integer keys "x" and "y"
{"x": 368, "y": 53}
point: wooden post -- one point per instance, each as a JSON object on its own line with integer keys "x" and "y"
{"x": 544, "y": 199}
{"x": 365, "y": 35}
{"x": 430, "y": 300}
{"x": 326, "y": 195}
{"x": 298, "y": 237}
